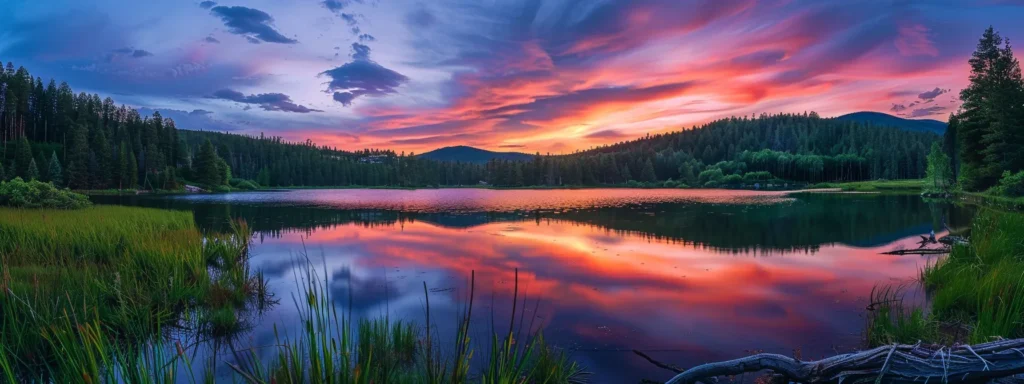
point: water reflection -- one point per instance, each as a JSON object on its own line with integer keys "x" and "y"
{"x": 686, "y": 279}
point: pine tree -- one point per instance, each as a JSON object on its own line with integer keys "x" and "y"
{"x": 208, "y": 169}
{"x": 122, "y": 166}
{"x": 54, "y": 172}
{"x": 101, "y": 148}
{"x": 133, "y": 170}
{"x": 3, "y": 175}
{"x": 22, "y": 157}
{"x": 647, "y": 173}
{"x": 626, "y": 176}
{"x": 988, "y": 128}
{"x": 78, "y": 159}
{"x": 33, "y": 170}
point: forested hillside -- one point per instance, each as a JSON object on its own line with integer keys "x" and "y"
{"x": 84, "y": 142}
{"x": 792, "y": 147}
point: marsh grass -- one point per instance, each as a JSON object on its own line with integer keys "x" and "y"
{"x": 82, "y": 290}
{"x": 332, "y": 348}
{"x": 976, "y": 293}
{"x": 890, "y": 320}
{"x": 91, "y": 296}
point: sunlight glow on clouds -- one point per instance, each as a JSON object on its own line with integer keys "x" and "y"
{"x": 547, "y": 76}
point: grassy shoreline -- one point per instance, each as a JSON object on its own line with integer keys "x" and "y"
{"x": 976, "y": 293}
{"x": 886, "y": 186}
{"x": 98, "y": 303}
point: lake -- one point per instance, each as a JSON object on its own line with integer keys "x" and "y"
{"x": 687, "y": 276}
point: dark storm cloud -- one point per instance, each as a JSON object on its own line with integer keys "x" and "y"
{"x": 361, "y": 77}
{"x": 929, "y": 95}
{"x": 207, "y": 4}
{"x": 267, "y": 101}
{"x": 251, "y": 23}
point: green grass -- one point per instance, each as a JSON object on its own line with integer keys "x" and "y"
{"x": 907, "y": 186}
{"x": 88, "y": 295}
{"x": 80, "y": 287}
{"x": 976, "y": 293}
{"x": 983, "y": 281}
{"x": 891, "y": 321}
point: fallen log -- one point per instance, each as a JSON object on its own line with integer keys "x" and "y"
{"x": 925, "y": 251}
{"x": 981, "y": 363}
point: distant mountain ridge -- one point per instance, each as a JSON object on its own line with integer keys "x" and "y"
{"x": 468, "y": 154}
{"x": 883, "y": 119}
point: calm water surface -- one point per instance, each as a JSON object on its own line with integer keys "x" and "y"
{"x": 689, "y": 276}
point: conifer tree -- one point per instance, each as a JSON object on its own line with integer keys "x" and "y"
{"x": 78, "y": 159}
{"x": 33, "y": 170}
{"x": 54, "y": 172}
{"x": 208, "y": 167}
{"x": 133, "y": 170}
{"x": 22, "y": 157}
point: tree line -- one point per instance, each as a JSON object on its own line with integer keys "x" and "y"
{"x": 84, "y": 142}
{"x": 983, "y": 148}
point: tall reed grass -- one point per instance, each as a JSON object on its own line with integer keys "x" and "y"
{"x": 976, "y": 293}
{"x": 88, "y": 295}
{"x": 79, "y": 290}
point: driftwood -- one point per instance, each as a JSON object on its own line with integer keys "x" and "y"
{"x": 925, "y": 251}
{"x": 982, "y": 363}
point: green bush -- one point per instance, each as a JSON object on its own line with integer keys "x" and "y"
{"x": 732, "y": 180}
{"x": 753, "y": 177}
{"x": 36, "y": 194}
{"x": 243, "y": 184}
{"x": 1011, "y": 185}
{"x": 711, "y": 177}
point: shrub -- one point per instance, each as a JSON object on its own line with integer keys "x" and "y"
{"x": 1011, "y": 185}
{"x": 732, "y": 180}
{"x": 243, "y": 184}
{"x": 711, "y": 176}
{"x": 753, "y": 177}
{"x": 36, "y": 194}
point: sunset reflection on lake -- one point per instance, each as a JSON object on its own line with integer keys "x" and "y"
{"x": 687, "y": 281}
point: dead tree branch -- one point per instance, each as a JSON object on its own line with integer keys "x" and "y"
{"x": 981, "y": 363}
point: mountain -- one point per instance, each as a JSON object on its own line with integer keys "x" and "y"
{"x": 472, "y": 155}
{"x": 882, "y": 119}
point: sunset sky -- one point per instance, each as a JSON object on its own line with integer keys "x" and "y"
{"x": 548, "y": 76}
